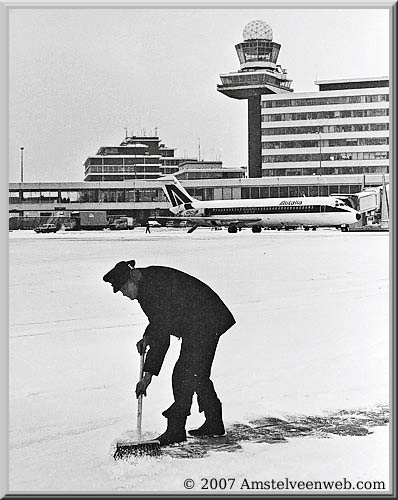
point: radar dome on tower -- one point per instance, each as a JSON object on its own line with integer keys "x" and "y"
{"x": 257, "y": 30}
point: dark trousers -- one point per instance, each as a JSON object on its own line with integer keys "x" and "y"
{"x": 191, "y": 375}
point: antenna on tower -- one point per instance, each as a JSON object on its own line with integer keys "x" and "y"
{"x": 198, "y": 148}
{"x": 125, "y": 129}
{"x": 156, "y": 131}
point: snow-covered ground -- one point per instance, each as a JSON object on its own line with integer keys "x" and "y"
{"x": 312, "y": 337}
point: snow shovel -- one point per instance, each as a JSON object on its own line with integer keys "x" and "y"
{"x": 125, "y": 449}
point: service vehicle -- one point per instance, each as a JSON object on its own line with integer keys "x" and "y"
{"x": 46, "y": 228}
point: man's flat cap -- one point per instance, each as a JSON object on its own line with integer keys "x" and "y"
{"x": 120, "y": 274}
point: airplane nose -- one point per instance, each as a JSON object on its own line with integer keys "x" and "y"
{"x": 358, "y": 216}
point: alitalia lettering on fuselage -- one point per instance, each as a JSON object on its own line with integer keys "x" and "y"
{"x": 294, "y": 202}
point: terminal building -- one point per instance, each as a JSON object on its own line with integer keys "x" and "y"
{"x": 137, "y": 157}
{"x": 334, "y": 141}
{"x": 143, "y": 199}
{"x": 341, "y": 129}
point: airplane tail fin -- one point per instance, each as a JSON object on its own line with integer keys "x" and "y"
{"x": 180, "y": 200}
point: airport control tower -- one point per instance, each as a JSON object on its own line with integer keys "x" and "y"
{"x": 259, "y": 74}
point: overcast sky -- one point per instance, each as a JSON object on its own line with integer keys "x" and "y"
{"x": 78, "y": 77}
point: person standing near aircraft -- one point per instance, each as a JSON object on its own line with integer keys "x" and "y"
{"x": 178, "y": 304}
{"x": 148, "y": 227}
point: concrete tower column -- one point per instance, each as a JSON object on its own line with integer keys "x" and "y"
{"x": 254, "y": 135}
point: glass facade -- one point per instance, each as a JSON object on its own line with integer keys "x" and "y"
{"x": 122, "y": 170}
{"x": 324, "y": 170}
{"x": 113, "y": 161}
{"x": 320, "y": 115}
{"x": 357, "y": 127}
{"x": 123, "y": 150}
{"x": 374, "y": 155}
{"x": 254, "y": 78}
{"x": 210, "y": 175}
{"x": 367, "y": 141}
{"x": 325, "y": 155}
{"x": 169, "y": 170}
{"x": 137, "y": 160}
{"x": 69, "y": 196}
{"x": 294, "y": 191}
{"x": 117, "y": 195}
{"x": 319, "y": 101}
{"x": 257, "y": 50}
{"x": 14, "y": 197}
{"x": 135, "y": 157}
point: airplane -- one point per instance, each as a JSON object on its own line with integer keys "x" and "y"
{"x": 279, "y": 213}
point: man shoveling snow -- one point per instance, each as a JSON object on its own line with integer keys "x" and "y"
{"x": 178, "y": 304}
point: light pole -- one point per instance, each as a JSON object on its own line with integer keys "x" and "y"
{"x": 22, "y": 164}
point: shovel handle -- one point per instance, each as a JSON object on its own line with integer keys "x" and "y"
{"x": 140, "y": 397}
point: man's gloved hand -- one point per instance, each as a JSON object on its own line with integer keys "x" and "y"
{"x": 142, "y": 345}
{"x": 142, "y": 385}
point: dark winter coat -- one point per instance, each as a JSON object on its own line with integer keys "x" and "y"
{"x": 178, "y": 304}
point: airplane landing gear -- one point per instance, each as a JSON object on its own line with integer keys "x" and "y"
{"x": 232, "y": 228}
{"x": 256, "y": 229}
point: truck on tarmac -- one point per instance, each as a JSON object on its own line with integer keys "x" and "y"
{"x": 123, "y": 223}
{"x": 87, "y": 220}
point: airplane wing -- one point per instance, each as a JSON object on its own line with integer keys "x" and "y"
{"x": 211, "y": 221}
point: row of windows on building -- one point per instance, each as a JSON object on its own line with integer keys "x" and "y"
{"x": 168, "y": 170}
{"x": 289, "y": 191}
{"x": 256, "y": 52}
{"x": 210, "y": 175}
{"x": 111, "y": 195}
{"x": 254, "y": 79}
{"x": 115, "y": 150}
{"x": 281, "y": 172}
{"x": 120, "y": 177}
{"x": 145, "y": 169}
{"x": 319, "y": 115}
{"x": 374, "y": 155}
{"x": 259, "y": 50}
{"x": 325, "y": 129}
{"x": 173, "y": 162}
{"x": 319, "y": 101}
{"x": 87, "y": 196}
{"x": 138, "y": 160}
{"x": 124, "y": 169}
{"x": 362, "y": 141}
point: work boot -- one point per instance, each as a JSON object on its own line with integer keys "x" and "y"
{"x": 213, "y": 426}
{"x": 175, "y": 432}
